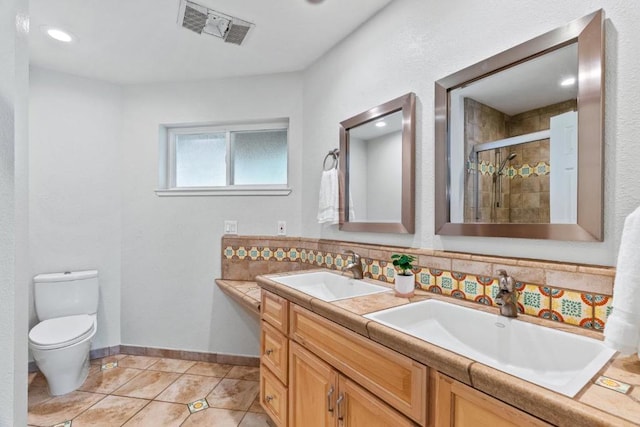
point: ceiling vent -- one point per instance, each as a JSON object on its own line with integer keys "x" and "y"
{"x": 200, "y": 19}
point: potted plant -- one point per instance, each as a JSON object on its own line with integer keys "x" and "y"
{"x": 405, "y": 279}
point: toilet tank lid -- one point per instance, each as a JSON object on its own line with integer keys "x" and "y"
{"x": 66, "y": 276}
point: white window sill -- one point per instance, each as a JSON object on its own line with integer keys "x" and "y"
{"x": 223, "y": 191}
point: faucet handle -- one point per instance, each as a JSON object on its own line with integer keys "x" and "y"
{"x": 505, "y": 281}
{"x": 356, "y": 257}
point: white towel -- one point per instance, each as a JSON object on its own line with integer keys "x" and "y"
{"x": 329, "y": 203}
{"x": 622, "y": 330}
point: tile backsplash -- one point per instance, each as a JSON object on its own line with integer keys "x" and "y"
{"x": 571, "y": 293}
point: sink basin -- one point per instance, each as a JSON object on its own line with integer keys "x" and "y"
{"x": 557, "y": 360}
{"x": 329, "y": 286}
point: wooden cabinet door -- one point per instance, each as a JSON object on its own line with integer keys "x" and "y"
{"x": 356, "y": 407}
{"x": 273, "y": 397}
{"x": 312, "y": 390}
{"x": 458, "y": 405}
{"x": 274, "y": 351}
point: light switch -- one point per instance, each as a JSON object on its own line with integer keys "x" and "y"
{"x": 231, "y": 227}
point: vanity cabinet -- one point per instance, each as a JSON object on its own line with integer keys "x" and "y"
{"x": 322, "y": 397}
{"x": 274, "y": 353}
{"x": 315, "y": 372}
{"x": 458, "y": 405}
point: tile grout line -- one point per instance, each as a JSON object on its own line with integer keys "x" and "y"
{"x": 136, "y": 413}
{"x": 104, "y": 396}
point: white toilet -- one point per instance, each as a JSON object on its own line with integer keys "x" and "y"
{"x": 66, "y": 305}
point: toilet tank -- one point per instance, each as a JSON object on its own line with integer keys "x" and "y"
{"x": 66, "y": 294}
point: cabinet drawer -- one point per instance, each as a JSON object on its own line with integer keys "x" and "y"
{"x": 394, "y": 378}
{"x": 274, "y": 351}
{"x": 275, "y": 310}
{"x": 273, "y": 397}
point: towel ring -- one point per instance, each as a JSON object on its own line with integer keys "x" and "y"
{"x": 333, "y": 155}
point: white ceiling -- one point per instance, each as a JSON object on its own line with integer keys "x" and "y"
{"x": 139, "y": 41}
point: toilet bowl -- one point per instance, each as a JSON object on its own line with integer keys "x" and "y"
{"x": 66, "y": 304}
{"x": 60, "y": 347}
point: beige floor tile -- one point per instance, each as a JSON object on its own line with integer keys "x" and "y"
{"x": 108, "y": 359}
{"x": 38, "y": 389}
{"x": 107, "y": 381}
{"x": 138, "y": 362}
{"x": 210, "y": 369}
{"x": 61, "y": 408}
{"x": 248, "y": 373}
{"x": 214, "y": 417}
{"x": 233, "y": 394}
{"x": 188, "y": 388}
{"x": 110, "y": 411}
{"x": 254, "y": 420}
{"x": 160, "y": 414}
{"x": 172, "y": 365}
{"x": 256, "y": 406}
{"x": 147, "y": 385}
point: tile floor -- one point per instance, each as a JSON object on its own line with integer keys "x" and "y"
{"x": 149, "y": 391}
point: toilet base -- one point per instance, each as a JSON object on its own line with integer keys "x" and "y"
{"x": 64, "y": 368}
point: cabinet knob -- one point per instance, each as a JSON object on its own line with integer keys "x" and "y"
{"x": 268, "y": 351}
{"x": 268, "y": 398}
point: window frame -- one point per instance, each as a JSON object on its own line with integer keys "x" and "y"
{"x": 167, "y": 166}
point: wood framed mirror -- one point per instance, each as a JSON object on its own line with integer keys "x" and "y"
{"x": 377, "y": 164}
{"x": 519, "y": 140}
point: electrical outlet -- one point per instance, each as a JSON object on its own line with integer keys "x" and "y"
{"x": 282, "y": 228}
{"x": 231, "y": 227}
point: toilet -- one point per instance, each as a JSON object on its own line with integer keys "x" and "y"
{"x": 66, "y": 305}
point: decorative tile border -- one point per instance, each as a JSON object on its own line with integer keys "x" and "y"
{"x": 576, "y": 307}
{"x": 524, "y": 171}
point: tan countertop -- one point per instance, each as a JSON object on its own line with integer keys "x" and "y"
{"x": 594, "y": 405}
{"x": 246, "y": 293}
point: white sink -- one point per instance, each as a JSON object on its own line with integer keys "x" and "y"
{"x": 557, "y": 360}
{"x": 329, "y": 286}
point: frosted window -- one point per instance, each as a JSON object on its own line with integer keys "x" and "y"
{"x": 260, "y": 157}
{"x": 201, "y": 160}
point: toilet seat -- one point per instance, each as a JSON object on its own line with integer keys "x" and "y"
{"x": 61, "y": 332}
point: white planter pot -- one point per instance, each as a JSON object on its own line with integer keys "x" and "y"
{"x": 405, "y": 285}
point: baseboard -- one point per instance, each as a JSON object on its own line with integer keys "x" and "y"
{"x": 99, "y": 353}
{"x": 230, "y": 359}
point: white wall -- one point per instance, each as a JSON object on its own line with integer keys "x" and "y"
{"x": 431, "y": 40}
{"x": 171, "y": 245}
{"x": 13, "y": 208}
{"x": 75, "y": 185}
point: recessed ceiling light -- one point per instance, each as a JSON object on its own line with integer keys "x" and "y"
{"x": 568, "y": 81}
{"x": 58, "y": 34}
{"x": 381, "y": 124}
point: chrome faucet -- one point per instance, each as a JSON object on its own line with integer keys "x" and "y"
{"x": 356, "y": 266}
{"x": 507, "y": 297}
